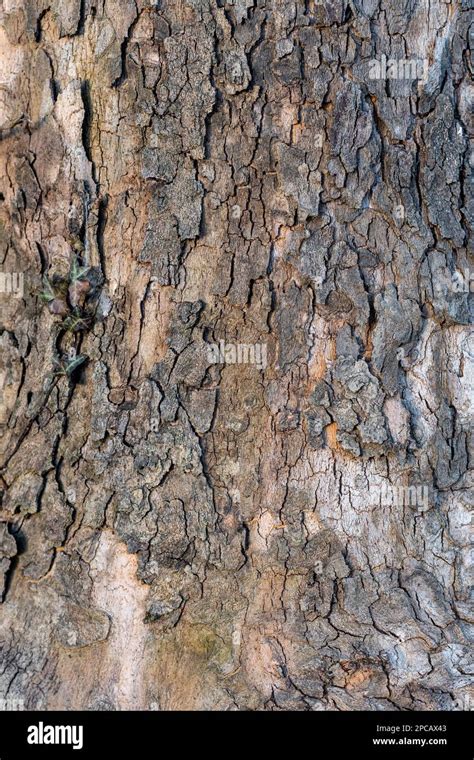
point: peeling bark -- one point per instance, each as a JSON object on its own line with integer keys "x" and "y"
{"x": 290, "y": 530}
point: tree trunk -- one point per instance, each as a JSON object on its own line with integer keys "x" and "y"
{"x": 235, "y": 344}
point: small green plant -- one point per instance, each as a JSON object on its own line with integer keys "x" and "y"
{"x": 75, "y": 322}
{"x": 70, "y": 298}
{"x": 47, "y": 294}
{"x": 77, "y": 272}
{"x": 66, "y": 366}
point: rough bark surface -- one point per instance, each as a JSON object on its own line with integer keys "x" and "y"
{"x": 177, "y": 534}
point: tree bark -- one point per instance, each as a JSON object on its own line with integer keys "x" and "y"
{"x": 285, "y": 526}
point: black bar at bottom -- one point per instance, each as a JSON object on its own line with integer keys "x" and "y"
{"x": 110, "y": 734}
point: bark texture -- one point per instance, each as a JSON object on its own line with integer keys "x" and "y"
{"x": 178, "y": 534}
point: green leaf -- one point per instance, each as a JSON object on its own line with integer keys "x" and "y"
{"x": 77, "y": 271}
{"x": 47, "y": 294}
{"x": 74, "y": 323}
{"x": 74, "y": 363}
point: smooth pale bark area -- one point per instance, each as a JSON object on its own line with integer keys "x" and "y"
{"x": 182, "y": 534}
